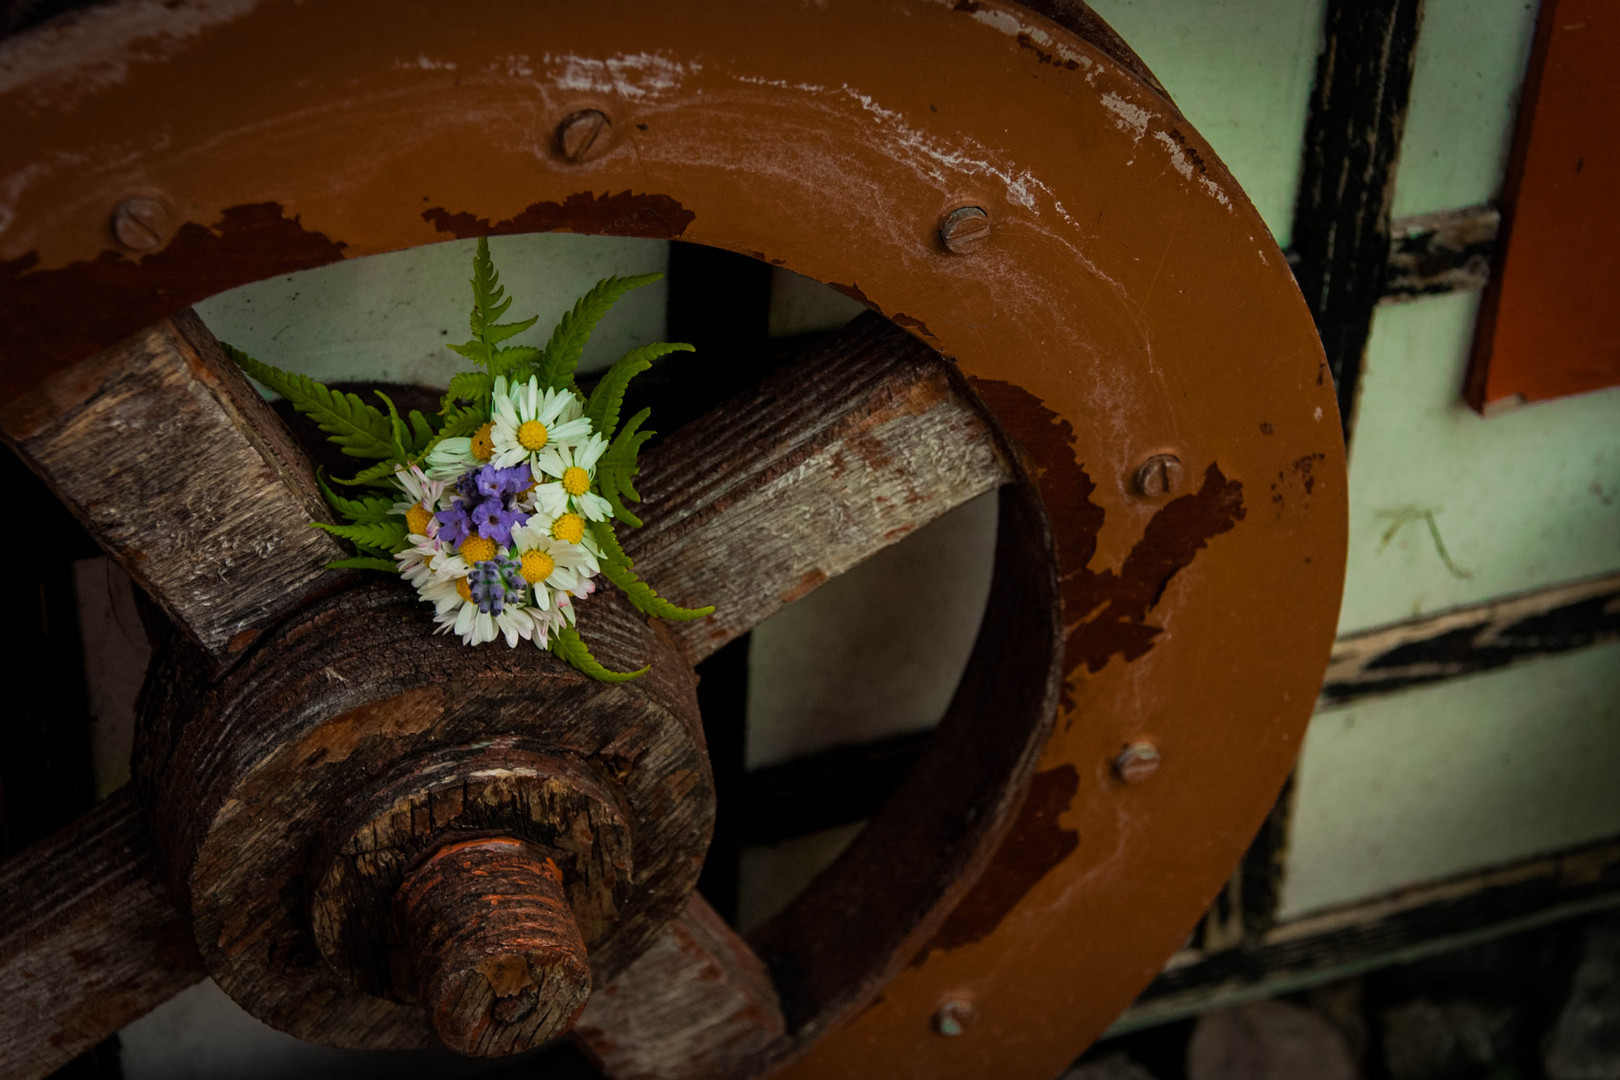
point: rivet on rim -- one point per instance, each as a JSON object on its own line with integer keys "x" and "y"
{"x": 1137, "y": 762}
{"x": 964, "y": 229}
{"x": 1158, "y": 476}
{"x": 584, "y": 135}
{"x": 955, "y": 1015}
{"x": 141, "y": 223}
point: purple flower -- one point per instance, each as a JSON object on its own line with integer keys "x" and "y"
{"x": 454, "y": 525}
{"x": 497, "y": 582}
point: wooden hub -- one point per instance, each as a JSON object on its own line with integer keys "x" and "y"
{"x": 309, "y": 799}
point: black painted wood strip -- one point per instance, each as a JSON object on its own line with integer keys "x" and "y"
{"x": 1352, "y": 140}
{"x": 1423, "y": 920}
{"x": 1435, "y": 254}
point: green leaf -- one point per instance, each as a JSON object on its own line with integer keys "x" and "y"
{"x": 517, "y": 362}
{"x": 568, "y": 340}
{"x": 567, "y": 646}
{"x": 365, "y": 510}
{"x": 489, "y": 304}
{"x": 364, "y": 562}
{"x": 375, "y": 476}
{"x": 618, "y": 467}
{"x": 469, "y": 386}
{"x": 402, "y": 434}
{"x": 603, "y": 407}
{"x": 423, "y": 429}
{"x": 377, "y": 535}
{"x": 645, "y": 600}
{"x": 358, "y": 428}
{"x": 608, "y": 541}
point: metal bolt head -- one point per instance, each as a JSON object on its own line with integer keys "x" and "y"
{"x": 1137, "y": 762}
{"x": 584, "y": 135}
{"x": 141, "y": 223}
{"x": 1158, "y": 476}
{"x": 954, "y": 1016}
{"x": 964, "y": 229}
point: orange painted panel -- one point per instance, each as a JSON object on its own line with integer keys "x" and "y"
{"x": 1547, "y": 326}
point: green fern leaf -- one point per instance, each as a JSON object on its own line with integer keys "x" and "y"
{"x": 490, "y": 302}
{"x": 423, "y": 429}
{"x": 608, "y": 541}
{"x": 364, "y": 562}
{"x": 568, "y": 647}
{"x": 402, "y": 434}
{"x": 618, "y": 467}
{"x": 645, "y": 599}
{"x": 567, "y": 344}
{"x": 375, "y": 476}
{"x": 380, "y": 536}
{"x": 469, "y": 386}
{"x": 358, "y": 428}
{"x": 516, "y": 362}
{"x": 365, "y": 510}
{"x": 603, "y": 407}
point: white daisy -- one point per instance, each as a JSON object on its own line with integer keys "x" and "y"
{"x": 456, "y": 612}
{"x": 528, "y": 421}
{"x": 422, "y": 497}
{"x": 552, "y": 565}
{"x": 452, "y": 457}
{"x": 573, "y": 468}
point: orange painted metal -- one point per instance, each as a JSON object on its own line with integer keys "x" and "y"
{"x": 1127, "y": 302}
{"x": 1546, "y": 324}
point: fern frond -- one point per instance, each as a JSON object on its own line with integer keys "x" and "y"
{"x": 365, "y": 510}
{"x": 402, "y": 434}
{"x": 568, "y": 647}
{"x": 516, "y": 362}
{"x": 608, "y": 541}
{"x": 423, "y": 429}
{"x": 469, "y": 386}
{"x": 375, "y": 476}
{"x": 568, "y": 340}
{"x": 386, "y": 536}
{"x": 617, "y": 468}
{"x": 360, "y": 429}
{"x": 364, "y": 562}
{"x": 645, "y": 599}
{"x": 490, "y": 302}
{"x": 603, "y": 407}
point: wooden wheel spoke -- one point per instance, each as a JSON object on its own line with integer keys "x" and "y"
{"x": 697, "y": 1003}
{"x": 90, "y": 940}
{"x": 863, "y": 440}
{"x": 184, "y": 475}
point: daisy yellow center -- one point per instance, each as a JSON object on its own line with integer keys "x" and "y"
{"x": 569, "y": 528}
{"x": 537, "y": 566}
{"x": 477, "y": 549}
{"x": 417, "y": 518}
{"x": 531, "y": 434}
{"x": 464, "y": 590}
{"x": 483, "y": 447}
{"x": 575, "y": 480}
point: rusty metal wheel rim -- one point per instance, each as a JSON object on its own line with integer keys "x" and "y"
{"x": 1127, "y": 302}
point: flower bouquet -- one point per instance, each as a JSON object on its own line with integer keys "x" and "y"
{"x": 500, "y": 509}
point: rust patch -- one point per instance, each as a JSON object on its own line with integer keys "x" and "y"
{"x": 1027, "y": 42}
{"x": 854, "y": 293}
{"x": 900, "y": 318}
{"x": 1106, "y": 611}
{"x": 653, "y": 217}
{"x": 241, "y": 641}
{"x": 806, "y": 585}
{"x": 1034, "y": 845}
{"x": 50, "y": 318}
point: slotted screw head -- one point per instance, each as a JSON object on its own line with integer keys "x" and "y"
{"x": 954, "y": 1015}
{"x": 584, "y": 135}
{"x": 1137, "y": 762}
{"x": 141, "y": 223}
{"x": 1158, "y": 476}
{"x": 964, "y": 229}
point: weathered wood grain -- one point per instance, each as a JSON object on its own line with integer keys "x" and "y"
{"x": 866, "y": 439}
{"x": 88, "y": 939}
{"x": 181, "y": 471}
{"x": 697, "y": 1005}
{"x": 499, "y": 961}
{"x": 1434, "y": 254}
